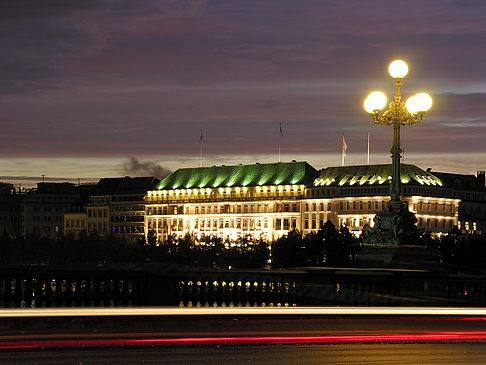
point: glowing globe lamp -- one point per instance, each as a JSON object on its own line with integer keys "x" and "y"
{"x": 375, "y": 101}
{"x": 419, "y": 103}
{"x": 398, "y": 69}
{"x": 424, "y": 102}
{"x": 412, "y": 104}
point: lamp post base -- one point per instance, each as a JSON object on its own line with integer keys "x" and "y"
{"x": 394, "y": 226}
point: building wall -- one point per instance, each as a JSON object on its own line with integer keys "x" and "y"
{"x": 98, "y": 214}
{"x": 43, "y": 213}
{"x": 10, "y": 214}
{"x": 261, "y": 212}
{"x": 74, "y": 223}
{"x": 128, "y": 216}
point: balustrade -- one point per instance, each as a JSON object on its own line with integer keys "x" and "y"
{"x": 237, "y": 293}
{"x": 30, "y": 290}
{"x": 25, "y": 288}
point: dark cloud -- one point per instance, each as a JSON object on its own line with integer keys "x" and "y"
{"x": 136, "y": 168}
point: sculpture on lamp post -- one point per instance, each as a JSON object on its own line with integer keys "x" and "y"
{"x": 396, "y": 224}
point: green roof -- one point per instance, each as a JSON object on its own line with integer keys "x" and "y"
{"x": 282, "y": 173}
{"x": 374, "y": 175}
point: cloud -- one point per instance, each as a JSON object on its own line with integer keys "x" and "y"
{"x": 124, "y": 77}
{"x": 134, "y": 167}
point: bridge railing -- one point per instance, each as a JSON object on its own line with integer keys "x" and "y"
{"x": 187, "y": 287}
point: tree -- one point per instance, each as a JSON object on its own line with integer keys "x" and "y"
{"x": 288, "y": 250}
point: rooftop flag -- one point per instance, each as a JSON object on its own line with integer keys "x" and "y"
{"x": 345, "y": 147}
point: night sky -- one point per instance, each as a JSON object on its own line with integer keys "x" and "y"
{"x": 110, "y": 88}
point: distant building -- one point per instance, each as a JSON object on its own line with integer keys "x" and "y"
{"x": 75, "y": 219}
{"x": 128, "y": 206}
{"x": 9, "y": 210}
{"x": 117, "y": 206}
{"x": 267, "y": 200}
{"x": 470, "y": 190}
{"x": 42, "y": 209}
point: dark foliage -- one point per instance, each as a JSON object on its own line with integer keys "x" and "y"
{"x": 462, "y": 250}
{"x": 95, "y": 250}
{"x": 329, "y": 246}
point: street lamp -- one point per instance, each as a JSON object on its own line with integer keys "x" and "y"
{"x": 398, "y": 113}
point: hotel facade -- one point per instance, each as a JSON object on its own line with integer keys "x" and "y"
{"x": 268, "y": 200}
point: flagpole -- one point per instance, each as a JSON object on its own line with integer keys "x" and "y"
{"x": 368, "y": 160}
{"x": 200, "y": 143}
{"x": 280, "y": 141}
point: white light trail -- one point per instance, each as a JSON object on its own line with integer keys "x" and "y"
{"x": 203, "y": 311}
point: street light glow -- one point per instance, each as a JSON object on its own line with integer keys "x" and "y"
{"x": 419, "y": 103}
{"x": 398, "y": 69}
{"x": 375, "y": 101}
{"x": 395, "y": 217}
{"x": 424, "y": 102}
{"x": 412, "y": 104}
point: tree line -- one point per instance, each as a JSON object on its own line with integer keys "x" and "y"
{"x": 329, "y": 246}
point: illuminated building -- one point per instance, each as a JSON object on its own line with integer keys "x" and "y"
{"x": 267, "y": 200}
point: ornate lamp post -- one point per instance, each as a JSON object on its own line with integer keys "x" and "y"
{"x": 395, "y": 224}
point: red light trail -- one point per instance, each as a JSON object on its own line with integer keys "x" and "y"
{"x": 255, "y": 340}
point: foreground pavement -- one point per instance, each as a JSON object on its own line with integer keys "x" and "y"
{"x": 387, "y": 354}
